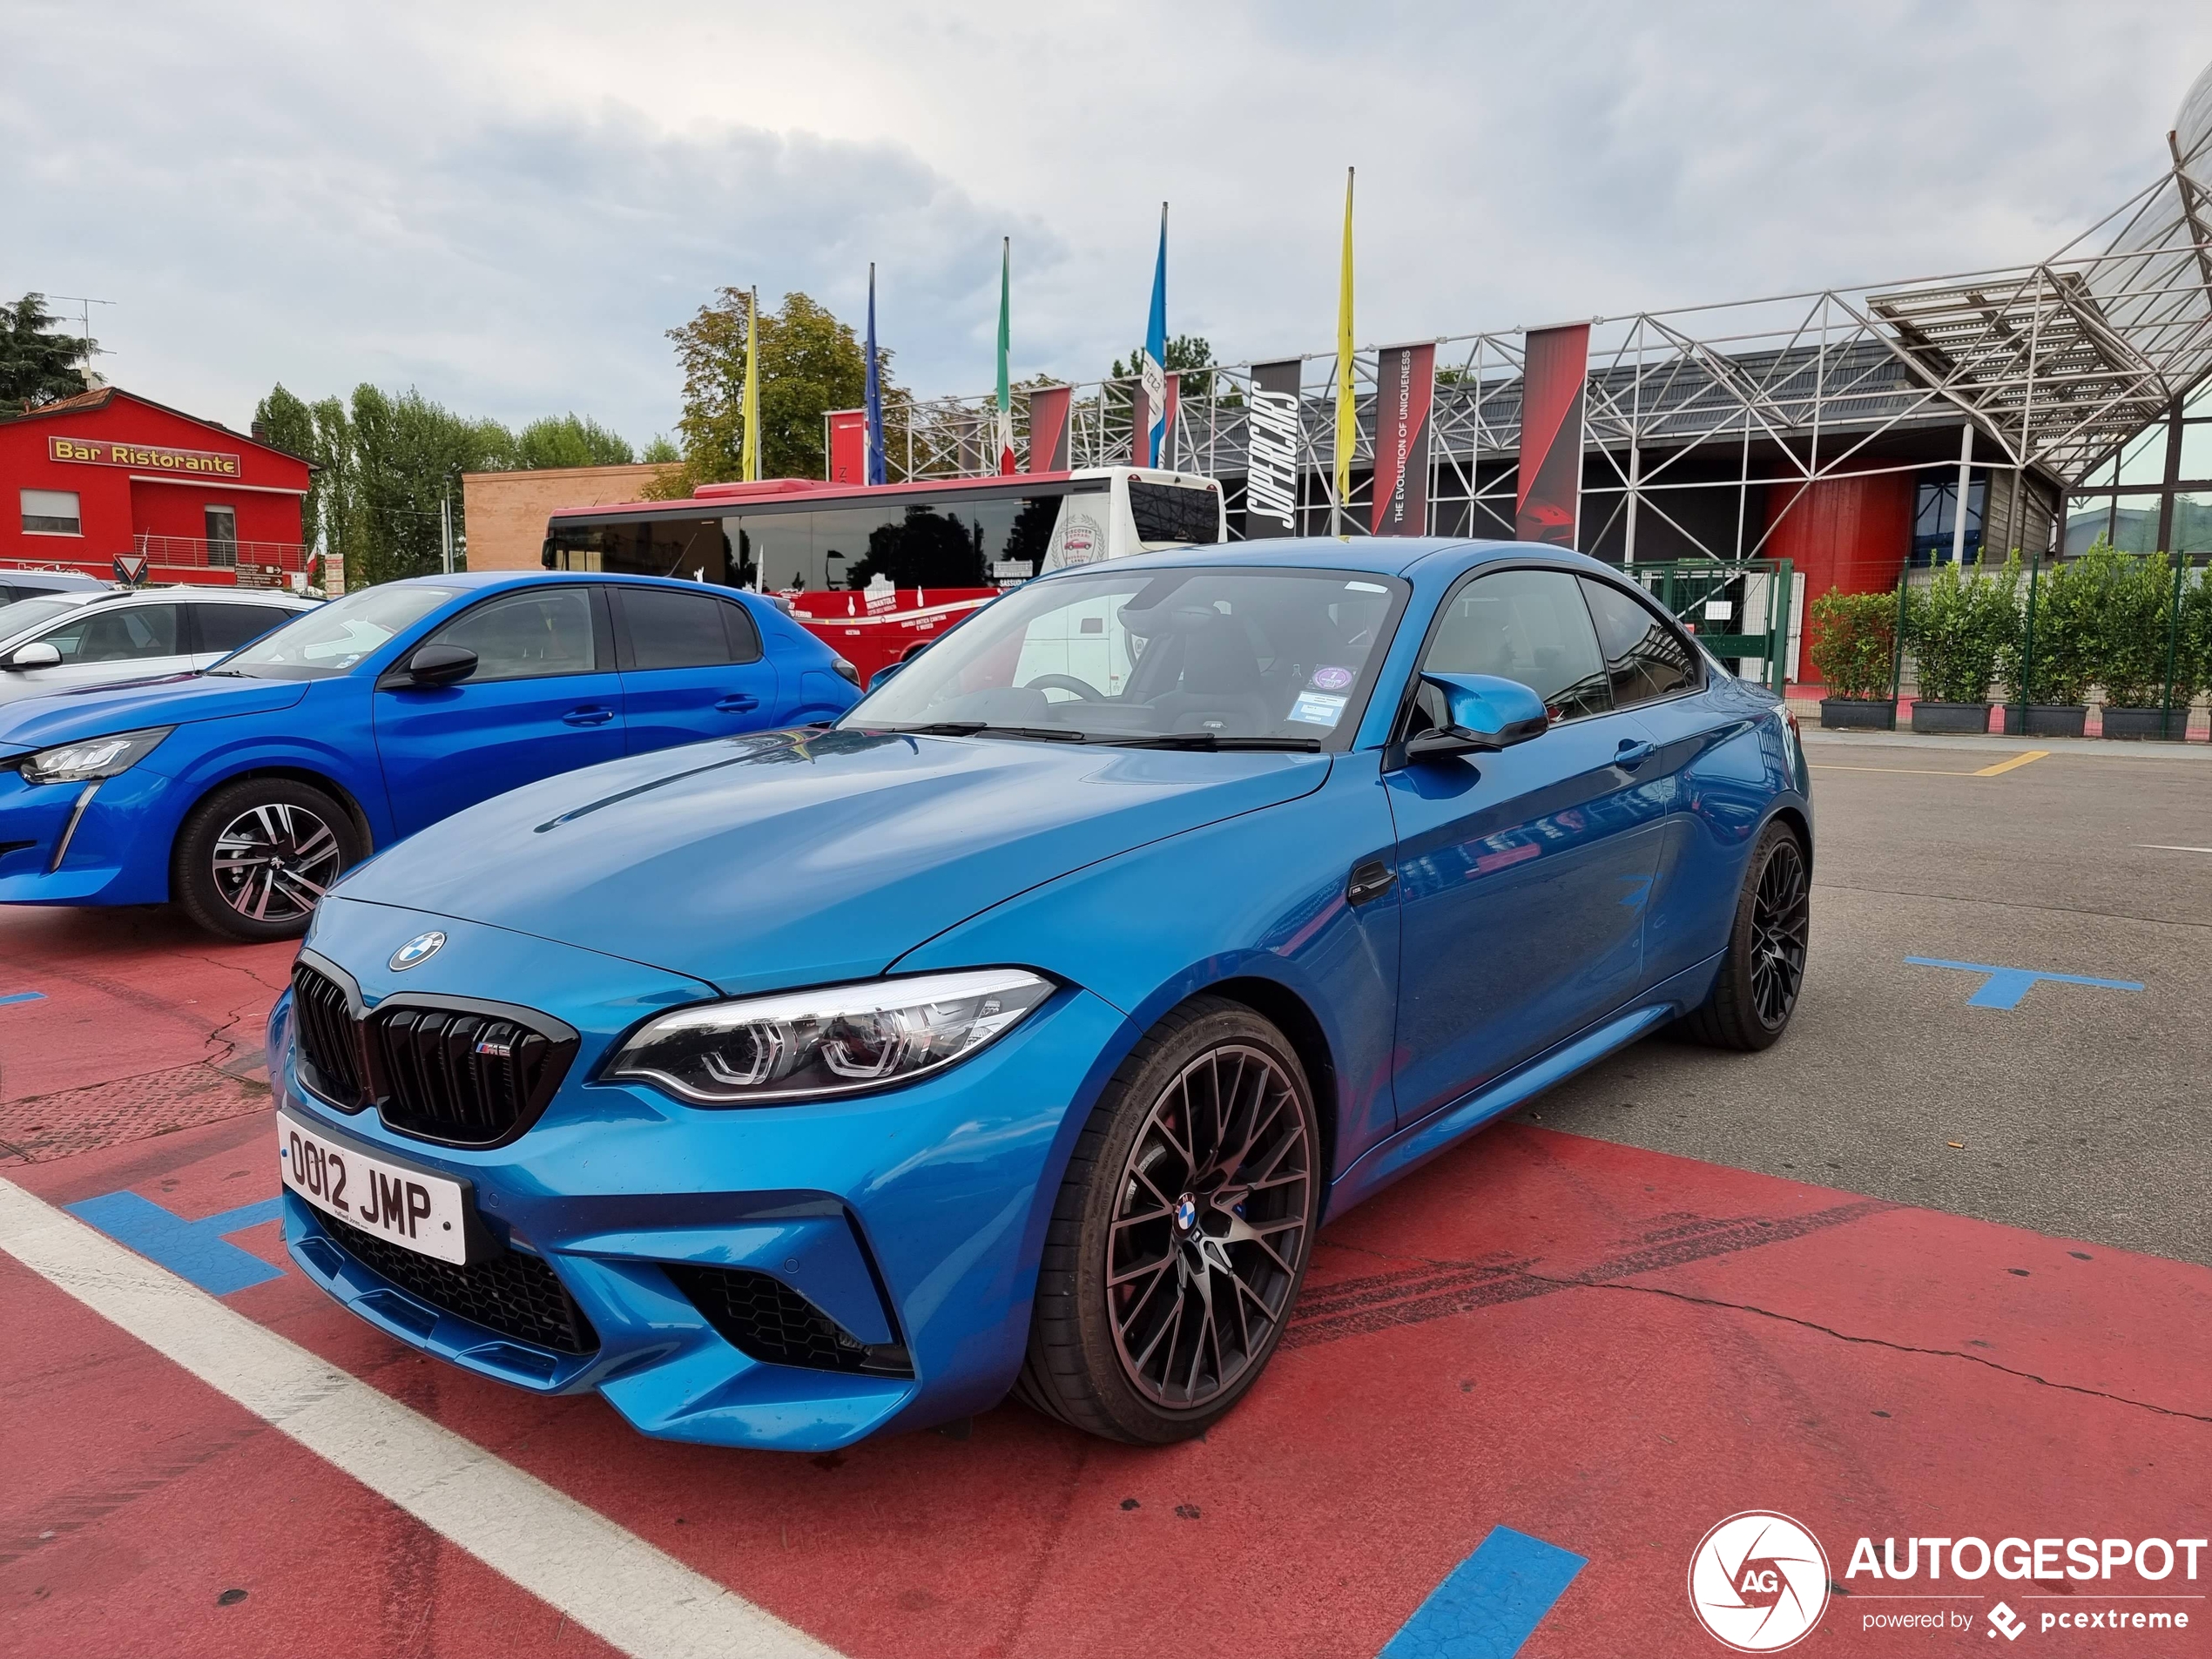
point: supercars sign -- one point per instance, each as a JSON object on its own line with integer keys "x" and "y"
{"x": 99, "y": 452}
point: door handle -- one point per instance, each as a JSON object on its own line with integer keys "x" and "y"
{"x": 587, "y": 716}
{"x": 1631, "y": 754}
{"x": 737, "y": 702}
{"x": 1370, "y": 880}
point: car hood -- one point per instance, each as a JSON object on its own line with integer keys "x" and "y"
{"x": 62, "y": 715}
{"x": 786, "y": 859}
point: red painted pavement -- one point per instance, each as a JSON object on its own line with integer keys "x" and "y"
{"x": 1604, "y": 1348}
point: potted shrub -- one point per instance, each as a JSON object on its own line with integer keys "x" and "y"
{"x": 1855, "y": 649}
{"x": 2127, "y": 642}
{"x": 2193, "y": 654}
{"x": 1956, "y": 630}
{"x": 2046, "y": 670}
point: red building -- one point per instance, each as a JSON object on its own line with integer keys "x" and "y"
{"x": 106, "y": 473}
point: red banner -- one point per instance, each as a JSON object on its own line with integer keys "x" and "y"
{"x": 848, "y": 446}
{"x": 1405, "y": 392}
{"x": 1048, "y": 429}
{"x": 1553, "y": 370}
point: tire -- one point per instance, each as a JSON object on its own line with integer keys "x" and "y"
{"x": 1756, "y": 990}
{"x": 255, "y": 855}
{"x": 1122, "y": 1360}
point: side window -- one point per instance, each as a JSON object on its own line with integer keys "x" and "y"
{"x": 226, "y": 628}
{"x": 527, "y": 636}
{"x": 1646, "y": 657}
{"x": 126, "y": 634}
{"x": 670, "y": 629}
{"x": 1525, "y": 625}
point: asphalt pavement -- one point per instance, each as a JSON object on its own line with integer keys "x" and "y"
{"x": 2083, "y": 1111}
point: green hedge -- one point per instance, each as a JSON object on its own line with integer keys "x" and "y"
{"x": 1855, "y": 644}
{"x": 1958, "y": 629}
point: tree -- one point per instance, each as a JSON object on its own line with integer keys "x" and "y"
{"x": 36, "y": 365}
{"x": 661, "y": 448}
{"x": 285, "y": 421}
{"x": 810, "y": 364}
{"x": 408, "y": 453}
{"x": 1185, "y": 353}
{"x": 568, "y": 441}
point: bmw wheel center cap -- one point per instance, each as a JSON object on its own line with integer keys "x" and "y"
{"x": 419, "y": 949}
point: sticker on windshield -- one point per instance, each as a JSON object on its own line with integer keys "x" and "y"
{"x": 1312, "y": 708}
{"x": 1330, "y": 679}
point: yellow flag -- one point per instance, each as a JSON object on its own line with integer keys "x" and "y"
{"x": 749, "y": 466}
{"x": 1347, "y": 411}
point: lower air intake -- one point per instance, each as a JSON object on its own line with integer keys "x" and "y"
{"x": 514, "y": 1294}
{"x": 765, "y": 1318}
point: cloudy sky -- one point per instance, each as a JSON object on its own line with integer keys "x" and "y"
{"x": 507, "y": 204}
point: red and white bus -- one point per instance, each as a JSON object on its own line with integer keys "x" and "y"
{"x": 879, "y": 572}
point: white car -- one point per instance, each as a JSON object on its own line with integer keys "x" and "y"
{"x": 59, "y": 642}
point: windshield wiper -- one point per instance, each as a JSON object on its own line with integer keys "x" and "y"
{"x": 984, "y": 728}
{"x": 1212, "y": 741}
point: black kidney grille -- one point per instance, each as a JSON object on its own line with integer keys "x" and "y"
{"x": 466, "y": 1078}
{"x": 514, "y": 1294}
{"x": 325, "y": 1019}
{"x": 765, "y": 1318}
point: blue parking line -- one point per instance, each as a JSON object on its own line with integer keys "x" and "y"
{"x": 2005, "y": 987}
{"x": 1490, "y": 1604}
{"x": 192, "y": 1250}
{"x": 21, "y": 996}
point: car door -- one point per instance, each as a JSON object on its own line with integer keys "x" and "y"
{"x": 1652, "y": 668}
{"x": 220, "y": 626}
{"x": 692, "y": 667}
{"x": 103, "y": 644}
{"x": 545, "y": 697}
{"x": 1523, "y": 874}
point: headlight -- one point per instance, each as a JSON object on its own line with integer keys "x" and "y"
{"x": 841, "y": 1040}
{"x": 78, "y": 763}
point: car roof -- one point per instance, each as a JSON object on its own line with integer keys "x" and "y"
{"x": 170, "y": 594}
{"x": 485, "y": 580}
{"x": 1371, "y": 555}
{"x": 54, "y": 581}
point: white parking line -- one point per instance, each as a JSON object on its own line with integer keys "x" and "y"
{"x": 2160, "y": 847}
{"x": 606, "y": 1579}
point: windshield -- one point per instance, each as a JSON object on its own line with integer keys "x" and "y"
{"x": 1237, "y": 656}
{"x": 29, "y": 613}
{"x": 330, "y": 639}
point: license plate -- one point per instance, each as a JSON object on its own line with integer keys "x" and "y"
{"x": 412, "y": 1207}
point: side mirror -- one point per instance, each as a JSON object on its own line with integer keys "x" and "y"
{"x": 885, "y": 672}
{"x": 433, "y": 665}
{"x": 1487, "y": 714}
{"x": 35, "y": 655}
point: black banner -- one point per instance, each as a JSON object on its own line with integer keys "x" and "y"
{"x": 1272, "y": 467}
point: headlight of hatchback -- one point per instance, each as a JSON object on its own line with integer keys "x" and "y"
{"x": 95, "y": 757}
{"x": 814, "y": 1045}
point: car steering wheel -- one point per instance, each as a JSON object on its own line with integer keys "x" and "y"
{"x": 1065, "y": 683}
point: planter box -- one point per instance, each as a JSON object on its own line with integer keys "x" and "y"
{"x": 2044, "y": 719}
{"x": 1858, "y": 714}
{"x": 1950, "y": 717}
{"x": 2142, "y": 723}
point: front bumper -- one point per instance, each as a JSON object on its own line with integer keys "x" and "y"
{"x": 913, "y": 1219}
{"x": 117, "y": 834}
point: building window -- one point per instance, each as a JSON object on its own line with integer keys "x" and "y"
{"x": 222, "y": 535}
{"x": 1935, "y": 506}
{"x": 50, "y": 512}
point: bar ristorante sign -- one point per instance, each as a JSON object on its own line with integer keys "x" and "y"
{"x": 99, "y": 452}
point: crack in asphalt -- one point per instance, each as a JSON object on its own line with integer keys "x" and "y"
{"x": 1873, "y": 1342}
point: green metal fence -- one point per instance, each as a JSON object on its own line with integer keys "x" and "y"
{"x": 1738, "y": 609}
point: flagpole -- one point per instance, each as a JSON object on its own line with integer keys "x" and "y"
{"x": 1005, "y": 389}
{"x": 1347, "y": 410}
{"x": 873, "y": 469}
{"x": 749, "y": 457}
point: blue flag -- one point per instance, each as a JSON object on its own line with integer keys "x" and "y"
{"x": 877, "y": 473}
{"x": 1153, "y": 371}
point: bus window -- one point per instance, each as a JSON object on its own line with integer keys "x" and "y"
{"x": 1175, "y": 512}
{"x": 954, "y": 541}
{"x": 693, "y": 548}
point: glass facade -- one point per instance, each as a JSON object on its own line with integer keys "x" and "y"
{"x": 1935, "y": 516}
{"x": 2156, "y": 494}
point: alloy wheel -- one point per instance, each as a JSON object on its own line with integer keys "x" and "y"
{"x": 1209, "y": 1228}
{"x": 1780, "y": 913}
{"x": 272, "y": 862}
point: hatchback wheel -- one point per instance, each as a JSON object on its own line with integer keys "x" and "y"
{"x": 1181, "y": 1233}
{"x": 256, "y": 856}
{"x": 1756, "y": 991}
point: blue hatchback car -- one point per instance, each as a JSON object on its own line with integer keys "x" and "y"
{"x": 242, "y": 792}
{"x": 1019, "y": 1031}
